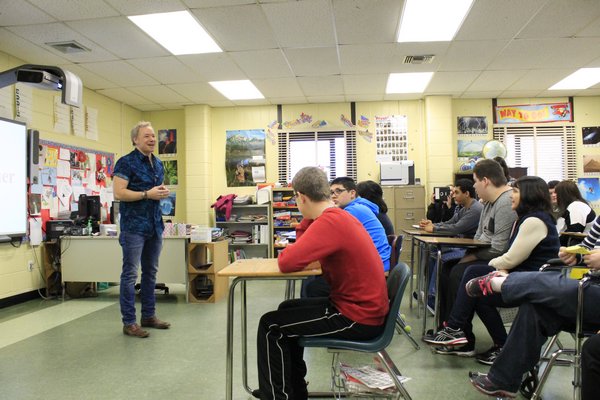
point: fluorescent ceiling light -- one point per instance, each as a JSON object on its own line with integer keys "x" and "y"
{"x": 237, "y": 90}
{"x": 432, "y": 20}
{"x": 583, "y": 78}
{"x": 411, "y": 82}
{"x": 178, "y": 32}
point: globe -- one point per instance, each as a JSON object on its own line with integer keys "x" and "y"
{"x": 494, "y": 148}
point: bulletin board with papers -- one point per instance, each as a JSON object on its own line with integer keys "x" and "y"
{"x": 65, "y": 172}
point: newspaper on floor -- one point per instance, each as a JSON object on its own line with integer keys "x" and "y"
{"x": 370, "y": 377}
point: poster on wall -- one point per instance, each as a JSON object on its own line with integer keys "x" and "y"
{"x": 472, "y": 126}
{"x": 167, "y": 205}
{"x": 470, "y": 148}
{"x": 591, "y": 163}
{"x": 170, "y": 167}
{"x": 591, "y": 136}
{"x": 590, "y": 190}
{"x": 167, "y": 141}
{"x": 534, "y": 113}
{"x": 245, "y": 157}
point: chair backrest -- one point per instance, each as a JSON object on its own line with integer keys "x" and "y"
{"x": 396, "y": 243}
{"x": 396, "y": 284}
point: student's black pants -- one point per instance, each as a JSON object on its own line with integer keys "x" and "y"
{"x": 590, "y": 368}
{"x": 281, "y": 367}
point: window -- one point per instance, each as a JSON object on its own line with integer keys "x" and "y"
{"x": 334, "y": 152}
{"x": 548, "y": 151}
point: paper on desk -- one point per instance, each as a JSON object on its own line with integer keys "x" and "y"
{"x": 416, "y": 226}
{"x": 577, "y": 249}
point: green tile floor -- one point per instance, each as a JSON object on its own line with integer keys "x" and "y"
{"x": 50, "y": 349}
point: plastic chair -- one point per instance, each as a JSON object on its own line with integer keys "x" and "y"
{"x": 396, "y": 243}
{"x": 396, "y": 283}
{"x": 579, "y": 336}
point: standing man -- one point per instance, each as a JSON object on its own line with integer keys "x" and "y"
{"x": 333, "y": 240}
{"x": 138, "y": 184}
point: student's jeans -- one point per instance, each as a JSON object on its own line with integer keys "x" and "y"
{"x": 137, "y": 250}
{"x": 448, "y": 254}
{"x": 548, "y": 304}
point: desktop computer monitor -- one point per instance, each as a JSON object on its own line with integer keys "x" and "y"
{"x": 89, "y": 207}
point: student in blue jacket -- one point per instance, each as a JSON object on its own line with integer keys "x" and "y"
{"x": 344, "y": 195}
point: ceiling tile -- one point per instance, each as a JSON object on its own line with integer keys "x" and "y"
{"x": 539, "y": 79}
{"x": 124, "y": 95}
{"x": 216, "y": 3}
{"x": 148, "y": 107}
{"x": 288, "y": 100}
{"x": 313, "y": 61}
{"x": 451, "y": 81}
{"x": 199, "y": 93}
{"x": 279, "y": 87}
{"x": 327, "y": 99}
{"x": 27, "y": 51}
{"x": 139, "y": 7}
{"x": 495, "y": 80}
{"x": 364, "y": 97}
{"x": 492, "y": 94}
{"x": 60, "y": 32}
{"x": 213, "y": 66}
{"x": 109, "y": 33}
{"x": 366, "y": 21}
{"x": 518, "y": 94}
{"x": 237, "y": 28}
{"x": 470, "y": 55}
{"x": 120, "y": 72}
{"x": 572, "y": 15}
{"x": 166, "y": 69}
{"x": 89, "y": 79}
{"x": 159, "y": 94}
{"x": 364, "y": 84}
{"x": 321, "y": 85}
{"x": 301, "y": 23}
{"x": 67, "y": 10}
{"x": 358, "y": 59}
{"x": 19, "y": 12}
{"x": 262, "y": 63}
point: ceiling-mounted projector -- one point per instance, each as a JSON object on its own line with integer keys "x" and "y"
{"x": 39, "y": 79}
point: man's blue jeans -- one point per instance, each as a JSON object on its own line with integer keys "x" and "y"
{"x": 138, "y": 249}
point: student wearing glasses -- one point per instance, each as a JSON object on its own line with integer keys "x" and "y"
{"x": 344, "y": 195}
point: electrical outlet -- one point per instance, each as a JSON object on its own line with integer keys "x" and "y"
{"x": 30, "y": 265}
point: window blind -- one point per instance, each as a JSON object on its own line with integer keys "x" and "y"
{"x": 335, "y": 152}
{"x": 548, "y": 151}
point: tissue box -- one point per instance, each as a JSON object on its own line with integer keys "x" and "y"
{"x": 263, "y": 195}
{"x": 201, "y": 234}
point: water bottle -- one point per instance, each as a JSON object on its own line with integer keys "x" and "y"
{"x": 89, "y": 227}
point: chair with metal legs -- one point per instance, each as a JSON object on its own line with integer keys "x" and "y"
{"x": 396, "y": 283}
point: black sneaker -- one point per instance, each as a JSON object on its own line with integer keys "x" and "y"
{"x": 482, "y": 285}
{"x": 467, "y": 350}
{"x": 485, "y": 385}
{"x": 488, "y": 357}
{"x": 446, "y": 337}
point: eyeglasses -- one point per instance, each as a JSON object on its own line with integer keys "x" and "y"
{"x": 337, "y": 192}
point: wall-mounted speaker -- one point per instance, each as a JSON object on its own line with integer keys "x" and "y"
{"x": 33, "y": 141}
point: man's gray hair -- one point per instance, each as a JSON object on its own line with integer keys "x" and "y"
{"x": 136, "y": 129}
{"x": 312, "y": 182}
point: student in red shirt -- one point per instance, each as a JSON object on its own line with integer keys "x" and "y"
{"x": 331, "y": 239}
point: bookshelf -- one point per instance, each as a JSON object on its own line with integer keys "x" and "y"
{"x": 249, "y": 230}
{"x": 285, "y": 217}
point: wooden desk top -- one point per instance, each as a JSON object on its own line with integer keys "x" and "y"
{"x": 421, "y": 232}
{"x": 452, "y": 241}
{"x": 260, "y": 267}
{"x": 574, "y": 234}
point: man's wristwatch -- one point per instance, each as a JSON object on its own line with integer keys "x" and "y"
{"x": 144, "y": 195}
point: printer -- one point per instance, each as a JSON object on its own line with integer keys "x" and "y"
{"x": 58, "y": 227}
{"x": 397, "y": 173}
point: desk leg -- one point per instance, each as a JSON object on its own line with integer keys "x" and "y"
{"x": 244, "y": 326}
{"x": 436, "y": 315}
{"x": 423, "y": 288}
{"x": 229, "y": 350}
{"x": 290, "y": 289}
{"x": 412, "y": 271}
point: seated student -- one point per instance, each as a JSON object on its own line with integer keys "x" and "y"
{"x": 576, "y": 215}
{"x": 495, "y": 225}
{"x": 463, "y": 224}
{"x": 356, "y": 307}
{"x": 590, "y": 368}
{"x": 552, "y": 189}
{"x": 372, "y": 191}
{"x": 441, "y": 210}
{"x": 343, "y": 195}
{"x": 533, "y": 241}
{"x": 547, "y": 304}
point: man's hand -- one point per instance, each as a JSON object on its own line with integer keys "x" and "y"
{"x": 592, "y": 260}
{"x": 313, "y": 265}
{"x": 567, "y": 258}
{"x": 424, "y": 222}
{"x": 428, "y": 227}
{"x": 449, "y": 201}
{"x": 158, "y": 192}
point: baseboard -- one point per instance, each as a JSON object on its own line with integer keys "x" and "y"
{"x": 19, "y": 298}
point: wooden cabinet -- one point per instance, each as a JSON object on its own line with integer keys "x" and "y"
{"x": 285, "y": 217}
{"x": 204, "y": 261}
{"x": 254, "y": 220}
{"x": 406, "y": 207}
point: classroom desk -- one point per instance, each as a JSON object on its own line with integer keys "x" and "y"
{"x": 418, "y": 232}
{"x": 100, "y": 259}
{"x": 574, "y": 237}
{"x": 439, "y": 242}
{"x": 242, "y": 271}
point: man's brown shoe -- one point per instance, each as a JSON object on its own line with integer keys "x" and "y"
{"x": 154, "y": 323}
{"x": 135, "y": 330}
